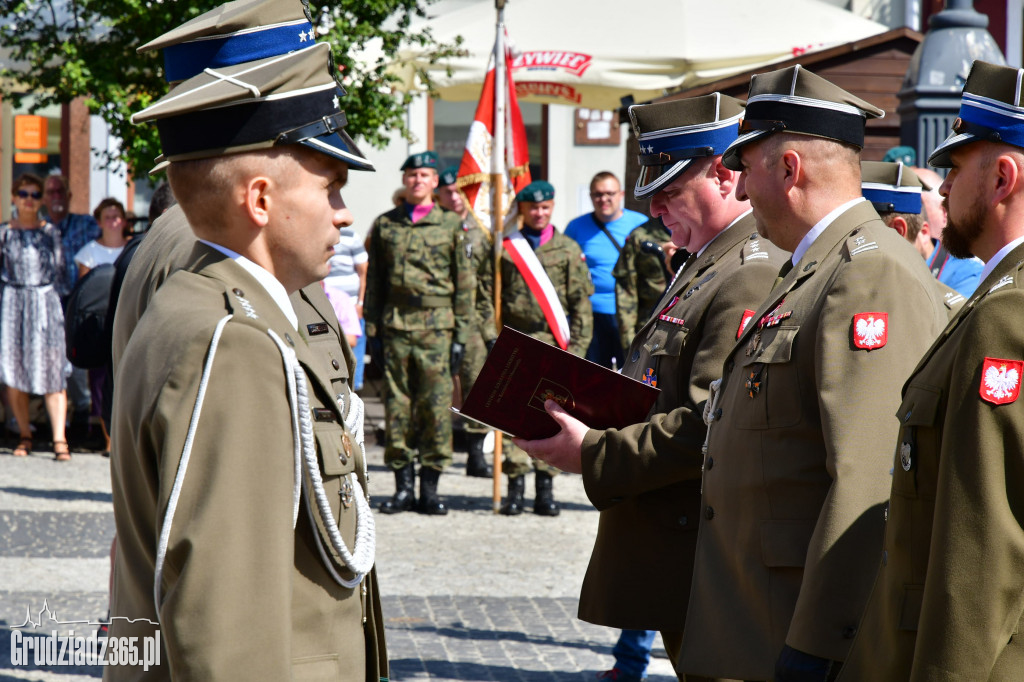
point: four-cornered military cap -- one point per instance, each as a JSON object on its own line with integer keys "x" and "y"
{"x": 891, "y": 187}
{"x": 422, "y": 160}
{"x": 538, "y": 190}
{"x": 448, "y": 176}
{"x": 288, "y": 99}
{"x": 990, "y": 109}
{"x": 672, "y": 134}
{"x": 233, "y": 33}
{"x": 794, "y": 100}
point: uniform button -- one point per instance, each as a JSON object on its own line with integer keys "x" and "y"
{"x": 849, "y": 632}
{"x": 709, "y": 512}
{"x": 718, "y": 413}
{"x": 334, "y": 364}
{"x": 237, "y": 292}
{"x": 710, "y": 465}
{"x": 636, "y": 355}
{"x": 339, "y": 397}
{"x": 342, "y": 458}
{"x": 683, "y": 520}
{"x": 288, "y": 338}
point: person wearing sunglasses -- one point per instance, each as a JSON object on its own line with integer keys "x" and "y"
{"x": 31, "y": 319}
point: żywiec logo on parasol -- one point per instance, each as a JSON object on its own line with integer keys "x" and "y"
{"x": 571, "y": 62}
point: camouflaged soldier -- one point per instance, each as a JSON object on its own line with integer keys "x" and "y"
{"x": 557, "y": 266}
{"x": 419, "y": 299}
{"x": 641, "y": 276}
{"x": 478, "y": 249}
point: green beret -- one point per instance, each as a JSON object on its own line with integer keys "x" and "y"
{"x": 538, "y": 190}
{"x": 448, "y": 176}
{"x": 421, "y": 160}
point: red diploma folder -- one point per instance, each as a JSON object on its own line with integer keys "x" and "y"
{"x": 521, "y": 373}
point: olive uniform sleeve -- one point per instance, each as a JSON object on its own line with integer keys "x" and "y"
{"x": 626, "y": 301}
{"x": 974, "y": 588}
{"x": 464, "y": 295}
{"x": 376, "y": 281}
{"x": 578, "y": 291}
{"x": 858, "y": 393}
{"x": 485, "y": 296}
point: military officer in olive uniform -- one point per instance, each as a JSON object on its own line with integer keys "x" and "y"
{"x": 645, "y": 478}
{"x": 948, "y": 601}
{"x": 641, "y": 275}
{"x": 895, "y": 192}
{"x": 478, "y": 247}
{"x": 796, "y": 473}
{"x": 238, "y": 479}
{"x": 548, "y": 255}
{"x": 419, "y": 312}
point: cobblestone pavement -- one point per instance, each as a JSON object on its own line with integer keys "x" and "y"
{"x": 468, "y": 596}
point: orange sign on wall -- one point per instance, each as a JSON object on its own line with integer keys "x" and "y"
{"x": 30, "y": 132}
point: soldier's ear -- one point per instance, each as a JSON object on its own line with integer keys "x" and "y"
{"x": 257, "y": 200}
{"x": 1007, "y": 176}
{"x": 900, "y": 225}
{"x": 727, "y": 179}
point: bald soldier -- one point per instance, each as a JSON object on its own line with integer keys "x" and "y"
{"x": 948, "y": 602}
{"x": 645, "y": 478}
{"x": 202, "y": 364}
{"x": 796, "y": 471}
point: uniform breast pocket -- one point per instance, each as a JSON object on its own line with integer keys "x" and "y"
{"x": 666, "y": 340}
{"x": 336, "y": 448}
{"x": 434, "y": 251}
{"x": 769, "y": 383}
{"x": 914, "y": 475}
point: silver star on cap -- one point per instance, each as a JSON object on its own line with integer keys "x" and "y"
{"x": 302, "y": 36}
{"x": 337, "y": 105}
{"x": 311, "y": 34}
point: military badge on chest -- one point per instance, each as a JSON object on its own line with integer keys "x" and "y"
{"x": 1000, "y": 380}
{"x": 649, "y": 377}
{"x": 772, "y": 319}
{"x": 870, "y": 330}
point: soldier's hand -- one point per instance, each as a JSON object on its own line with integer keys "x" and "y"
{"x": 458, "y": 350}
{"x": 376, "y": 347}
{"x": 562, "y": 450}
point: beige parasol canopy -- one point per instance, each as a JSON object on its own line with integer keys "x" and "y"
{"x": 591, "y": 53}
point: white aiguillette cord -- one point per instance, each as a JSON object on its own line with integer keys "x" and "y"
{"x": 361, "y": 560}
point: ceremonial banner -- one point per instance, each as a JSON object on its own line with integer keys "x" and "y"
{"x": 474, "y": 172}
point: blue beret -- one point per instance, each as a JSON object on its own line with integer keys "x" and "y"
{"x": 538, "y": 190}
{"x": 421, "y": 160}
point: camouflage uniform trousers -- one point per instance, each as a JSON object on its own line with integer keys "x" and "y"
{"x": 418, "y": 397}
{"x": 472, "y": 363}
{"x": 518, "y": 463}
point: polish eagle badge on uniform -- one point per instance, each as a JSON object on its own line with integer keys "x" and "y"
{"x": 870, "y": 330}
{"x": 744, "y": 321}
{"x": 1000, "y": 380}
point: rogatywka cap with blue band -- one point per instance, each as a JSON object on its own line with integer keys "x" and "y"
{"x": 990, "y": 110}
{"x": 891, "y": 187}
{"x": 233, "y": 33}
{"x": 672, "y": 134}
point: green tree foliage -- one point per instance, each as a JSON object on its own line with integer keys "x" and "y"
{"x": 71, "y": 48}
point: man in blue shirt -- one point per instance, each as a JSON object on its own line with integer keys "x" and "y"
{"x": 601, "y": 235}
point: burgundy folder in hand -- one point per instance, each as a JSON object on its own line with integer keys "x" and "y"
{"x": 521, "y": 373}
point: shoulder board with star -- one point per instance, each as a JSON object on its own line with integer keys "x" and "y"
{"x": 860, "y": 242}
{"x": 754, "y": 249}
{"x": 953, "y": 300}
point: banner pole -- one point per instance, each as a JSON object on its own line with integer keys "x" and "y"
{"x": 497, "y": 207}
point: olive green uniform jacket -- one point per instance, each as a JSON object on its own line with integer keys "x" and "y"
{"x": 566, "y": 267}
{"x": 419, "y": 275}
{"x": 167, "y": 248}
{"x": 645, "y": 478}
{"x": 797, "y": 468}
{"x": 640, "y": 280}
{"x": 948, "y": 602}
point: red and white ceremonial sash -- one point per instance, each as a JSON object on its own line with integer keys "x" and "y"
{"x": 540, "y": 286}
